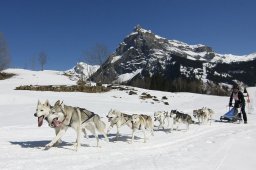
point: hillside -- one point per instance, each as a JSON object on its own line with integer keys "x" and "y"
{"x": 218, "y": 146}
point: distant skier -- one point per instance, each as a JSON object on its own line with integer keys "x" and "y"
{"x": 238, "y": 97}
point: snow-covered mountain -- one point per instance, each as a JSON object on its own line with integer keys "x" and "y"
{"x": 147, "y": 60}
{"x": 81, "y": 70}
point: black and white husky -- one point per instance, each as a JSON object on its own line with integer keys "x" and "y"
{"x": 180, "y": 117}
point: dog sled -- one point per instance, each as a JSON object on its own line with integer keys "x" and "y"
{"x": 232, "y": 115}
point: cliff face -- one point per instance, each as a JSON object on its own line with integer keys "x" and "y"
{"x": 147, "y": 60}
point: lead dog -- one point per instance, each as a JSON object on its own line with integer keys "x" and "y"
{"x": 42, "y": 111}
{"x": 141, "y": 122}
{"x": 72, "y": 118}
{"x": 118, "y": 119}
{"x": 78, "y": 118}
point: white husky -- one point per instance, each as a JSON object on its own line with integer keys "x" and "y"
{"x": 161, "y": 116}
{"x": 42, "y": 111}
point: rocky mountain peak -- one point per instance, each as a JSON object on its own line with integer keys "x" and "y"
{"x": 145, "y": 59}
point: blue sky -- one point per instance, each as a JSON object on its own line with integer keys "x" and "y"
{"x": 65, "y": 28}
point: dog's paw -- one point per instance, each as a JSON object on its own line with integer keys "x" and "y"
{"x": 77, "y": 147}
{"x": 47, "y": 147}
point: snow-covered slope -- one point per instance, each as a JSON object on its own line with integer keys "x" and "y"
{"x": 219, "y": 146}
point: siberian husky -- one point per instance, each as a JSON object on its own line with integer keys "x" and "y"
{"x": 78, "y": 118}
{"x": 142, "y": 122}
{"x": 161, "y": 116}
{"x": 203, "y": 115}
{"x": 55, "y": 117}
{"x": 118, "y": 119}
{"x": 180, "y": 117}
{"x": 42, "y": 111}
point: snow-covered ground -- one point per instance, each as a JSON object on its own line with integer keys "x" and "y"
{"x": 219, "y": 146}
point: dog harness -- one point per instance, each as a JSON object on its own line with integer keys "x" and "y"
{"x": 126, "y": 118}
{"x": 89, "y": 117}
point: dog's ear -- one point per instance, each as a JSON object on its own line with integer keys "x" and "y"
{"x": 57, "y": 103}
{"x": 62, "y": 104}
{"x": 38, "y": 103}
{"x": 47, "y": 103}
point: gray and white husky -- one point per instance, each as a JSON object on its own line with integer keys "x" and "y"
{"x": 118, "y": 119}
{"x": 64, "y": 116}
{"x": 60, "y": 117}
{"x": 180, "y": 117}
{"x": 204, "y": 115}
{"x": 142, "y": 122}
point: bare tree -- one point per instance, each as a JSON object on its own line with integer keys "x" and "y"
{"x": 97, "y": 55}
{"x": 33, "y": 62}
{"x": 4, "y": 53}
{"x": 42, "y": 59}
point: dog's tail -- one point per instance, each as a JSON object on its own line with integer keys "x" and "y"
{"x": 192, "y": 122}
{"x": 100, "y": 125}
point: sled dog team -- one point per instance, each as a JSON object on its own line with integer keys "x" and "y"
{"x": 61, "y": 117}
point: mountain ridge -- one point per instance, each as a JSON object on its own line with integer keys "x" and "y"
{"x": 144, "y": 57}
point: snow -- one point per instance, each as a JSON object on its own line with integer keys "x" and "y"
{"x": 133, "y": 33}
{"x": 116, "y": 58}
{"x": 219, "y": 146}
{"x": 81, "y": 69}
{"x": 127, "y": 76}
{"x": 159, "y": 37}
{"x": 190, "y": 58}
{"x": 159, "y": 53}
{"x": 233, "y": 58}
